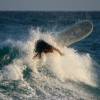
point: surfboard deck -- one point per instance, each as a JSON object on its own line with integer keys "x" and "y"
{"x": 75, "y": 33}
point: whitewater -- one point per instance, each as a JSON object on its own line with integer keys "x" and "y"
{"x": 53, "y": 77}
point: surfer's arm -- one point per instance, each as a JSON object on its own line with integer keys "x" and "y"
{"x": 35, "y": 55}
{"x": 58, "y": 51}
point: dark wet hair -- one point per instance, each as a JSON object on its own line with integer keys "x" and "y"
{"x": 42, "y": 46}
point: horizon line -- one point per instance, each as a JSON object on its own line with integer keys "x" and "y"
{"x": 49, "y": 10}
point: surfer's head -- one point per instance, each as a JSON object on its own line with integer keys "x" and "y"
{"x": 43, "y": 47}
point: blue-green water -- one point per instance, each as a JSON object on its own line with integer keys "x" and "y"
{"x": 15, "y": 30}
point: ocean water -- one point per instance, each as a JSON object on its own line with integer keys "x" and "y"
{"x": 75, "y": 76}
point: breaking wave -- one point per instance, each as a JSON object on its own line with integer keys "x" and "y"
{"x": 51, "y": 71}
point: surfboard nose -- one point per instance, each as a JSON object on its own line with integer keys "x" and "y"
{"x": 75, "y": 33}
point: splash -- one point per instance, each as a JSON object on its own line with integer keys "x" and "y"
{"x": 72, "y": 66}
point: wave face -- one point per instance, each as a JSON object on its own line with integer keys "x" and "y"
{"x": 72, "y": 76}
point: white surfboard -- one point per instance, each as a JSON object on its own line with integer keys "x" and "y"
{"x": 75, "y": 33}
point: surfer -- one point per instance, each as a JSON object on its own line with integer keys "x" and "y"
{"x": 43, "y": 47}
{"x": 74, "y": 34}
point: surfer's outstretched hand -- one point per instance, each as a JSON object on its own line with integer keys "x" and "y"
{"x": 58, "y": 51}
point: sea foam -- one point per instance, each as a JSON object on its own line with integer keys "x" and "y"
{"x": 71, "y": 66}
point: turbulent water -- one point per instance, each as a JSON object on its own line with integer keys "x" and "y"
{"x": 74, "y": 76}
